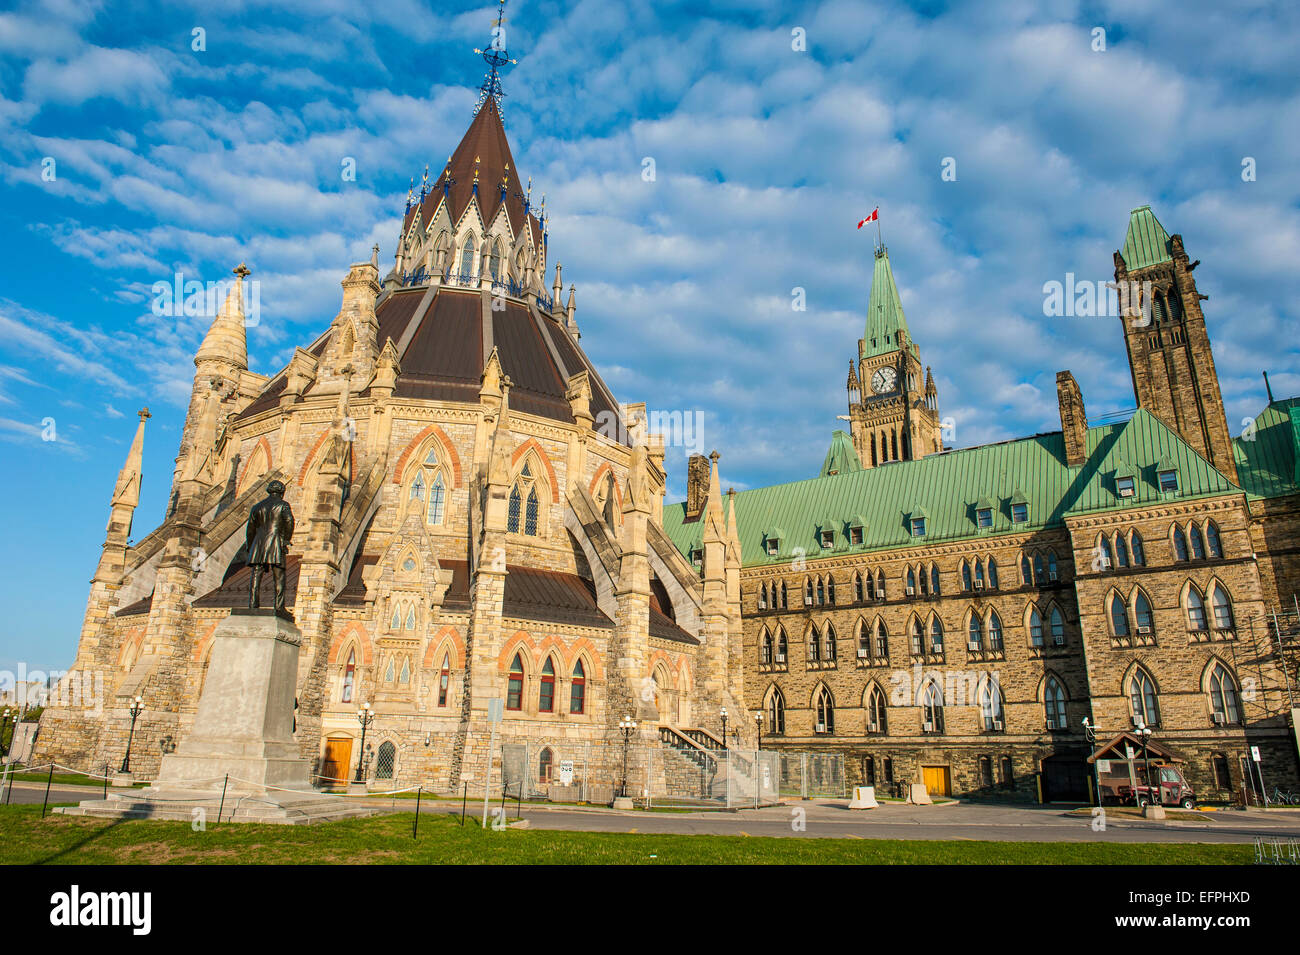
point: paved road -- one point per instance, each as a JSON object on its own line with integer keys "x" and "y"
{"x": 831, "y": 819}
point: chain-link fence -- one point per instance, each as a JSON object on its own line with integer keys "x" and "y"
{"x": 810, "y": 775}
{"x": 687, "y": 775}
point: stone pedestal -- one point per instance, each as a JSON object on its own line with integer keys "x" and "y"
{"x": 240, "y": 762}
{"x": 244, "y": 724}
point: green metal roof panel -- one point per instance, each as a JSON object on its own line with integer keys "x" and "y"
{"x": 1147, "y": 242}
{"x": 945, "y": 486}
{"x": 884, "y": 310}
{"x": 1268, "y": 455}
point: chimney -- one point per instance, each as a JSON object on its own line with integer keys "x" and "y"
{"x": 698, "y": 470}
{"x": 1074, "y": 423}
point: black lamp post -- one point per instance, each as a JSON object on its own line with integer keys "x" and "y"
{"x": 365, "y": 716}
{"x": 627, "y": 726}
{"x": 758, "y": 727}
{"x": 724, "y": 727}
{"x": 1090, "y": 732}
{"x": 135, "y": 709}
{"x": 4, "y": 719}
{"x": 1145, "y": 732}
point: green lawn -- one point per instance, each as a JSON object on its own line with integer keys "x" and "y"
{"x": 25, "y": 838}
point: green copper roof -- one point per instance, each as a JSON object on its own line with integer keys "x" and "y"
{"x": 1147, "y": 242}
{"x": 946, "y": 486}
{"x": 841, "y": 458}
{"x": 884, "y": 309}
{"x": 1268, "y": 455}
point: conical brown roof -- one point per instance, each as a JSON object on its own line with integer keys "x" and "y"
{"x": 483, "y": 151}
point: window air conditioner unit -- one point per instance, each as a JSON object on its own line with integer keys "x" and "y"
{"x": 997, "y": 724}
{"x": 927, "y": 727}
{"x": 880, "y": 593}
{"x": 1058, "y": 641}
{"x": 862, "y": 653}
{"x": 911, "y": 591}
{"x": 821, "y": 727}
{"x": 872, "y": 728}
{"x": 1144, "y": 630}
{"x": 780, "y": 658}
{"x": 972, "y": 645}
{"x": 807, "y": 601}
{"x": 1219, "y": 718}
{"x": 1051, "y": 575}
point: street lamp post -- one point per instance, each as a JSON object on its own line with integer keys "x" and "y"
{"x": 136, "y": 707}
{"x": 1090, "y": 732}
{"x": 758, "y": 727}
{"x": 1145, "y": 732}
{"x": 4, "y": 719}
{"x": 626, "y": 726}
{"x": 365, "y": 716}
{"x": 724, "y": 727}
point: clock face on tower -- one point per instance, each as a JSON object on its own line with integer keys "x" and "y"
{"x": 884, "y": 380}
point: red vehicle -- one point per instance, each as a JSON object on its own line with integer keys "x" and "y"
{"x": 1168, "y": 788}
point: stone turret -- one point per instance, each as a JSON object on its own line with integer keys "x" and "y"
{"x": 220, "y": 364}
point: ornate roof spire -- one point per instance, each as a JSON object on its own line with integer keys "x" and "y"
{"x": 496, "y": 57}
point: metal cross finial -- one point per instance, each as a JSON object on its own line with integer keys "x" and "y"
{"x": 496, "y": 57}
{"x": 144, "y": 414}
{"x": 242, "y": 270}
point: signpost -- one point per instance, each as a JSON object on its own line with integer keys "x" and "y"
{"x": 566, "y": 772}
{"x": 496, "y": 708}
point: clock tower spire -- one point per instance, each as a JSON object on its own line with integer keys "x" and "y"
{"x": 894, "y": 408}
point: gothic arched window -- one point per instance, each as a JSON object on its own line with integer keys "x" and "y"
{"x": 825, "y": 708}
{"x": 444, "y": 679}
{"x": 467, "y": 258}
{"x": 775, "y": 712}
{"x": 385, "y": 760}
{"x": 932, "y": 709}
{"x": 1054, "y": 704}
{"x": 990, "y": 707}
{"x": 1180, "y": 544}
{"x": 1195, "y": 609}
{"x": 349, "y": 677}
{"x": 546, "y": 688}
{"x": 1225, "y": 701}
{"x": 1118, "y": 616}
{"x": 1142, "y": 698}
{"x": 1222, "y": 607}
{"x": 1035, "y": 628}
{"x": 936, "y": 635}
{"x": 578, "y": 689}
{"x": 1135, "y": 545}
{"x": 877, "y": 714}
{"x": 515, "y": 684}
{"x": 1212, "y": 541}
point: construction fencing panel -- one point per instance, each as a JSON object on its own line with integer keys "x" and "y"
{"x": 595, "y": 772}
{"x": 811, "y": 775}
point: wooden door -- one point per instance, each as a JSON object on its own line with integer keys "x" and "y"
{"x": 937, "y": 780}
{"x": 334, "y": 764}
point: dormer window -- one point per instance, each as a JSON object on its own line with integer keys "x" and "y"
{"x": 1019, "y": 513}
{"x": 772, "y": 545}
{"x": 984, "y": 517}
{"x": 697, "y": 556}
{"x": 918, "y": 527}
{"x": 1168, "y": 480}
{"x": 828, "y": 538}
{"x": 1124, "y": 486}
{"x": 855, "y": 535}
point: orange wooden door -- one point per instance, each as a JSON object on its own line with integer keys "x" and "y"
{"x": 334, "y": 765}
{"x": 937, "y": 780}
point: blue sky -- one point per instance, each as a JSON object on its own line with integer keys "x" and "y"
{"x": 170, "y": 159}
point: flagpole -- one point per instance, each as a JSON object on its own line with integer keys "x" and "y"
{"x": 880, "y": 243}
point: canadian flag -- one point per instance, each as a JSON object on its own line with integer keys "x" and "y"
{"x": 875, "y": 214}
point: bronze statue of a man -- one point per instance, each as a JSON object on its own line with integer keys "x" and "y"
{"x": 270, "y": 529}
